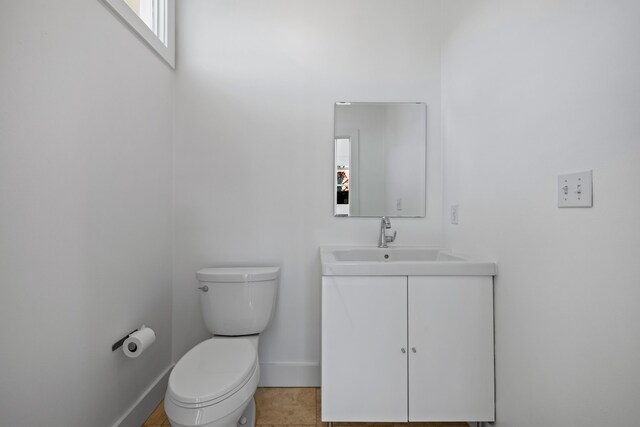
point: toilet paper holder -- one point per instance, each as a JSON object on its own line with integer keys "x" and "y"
{"x": 121, "y": 341}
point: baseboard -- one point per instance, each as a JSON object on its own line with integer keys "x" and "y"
{"x": 146, "y": 403}
{"x": 289, "y": 375}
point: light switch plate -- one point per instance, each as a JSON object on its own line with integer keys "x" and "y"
{"x": 575, "y": 190}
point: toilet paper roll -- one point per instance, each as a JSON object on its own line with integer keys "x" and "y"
{"x": 138, "y": 342}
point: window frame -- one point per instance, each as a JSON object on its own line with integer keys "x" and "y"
{"x": 128, "y": 16}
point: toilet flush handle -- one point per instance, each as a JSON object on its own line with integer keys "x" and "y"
{"x": 204, "y": 288}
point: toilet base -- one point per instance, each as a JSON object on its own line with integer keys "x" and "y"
{"x": 248, "y": 418}
{"x": 246, "y": 413}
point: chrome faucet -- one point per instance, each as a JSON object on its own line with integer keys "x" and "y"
{"x": 385, "y": 224}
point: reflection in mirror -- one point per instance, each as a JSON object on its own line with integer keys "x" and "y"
{"x": 380, "y": 159}
{"x": 343, "y": 146}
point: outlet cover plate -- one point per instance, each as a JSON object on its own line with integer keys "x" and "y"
{"x": 575, "y": 190}
{"x": 454, "y": 214}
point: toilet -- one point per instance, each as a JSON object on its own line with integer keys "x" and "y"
{"x": 213, "y": 384}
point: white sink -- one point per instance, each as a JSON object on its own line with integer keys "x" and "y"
{"x": 399, "y": 261}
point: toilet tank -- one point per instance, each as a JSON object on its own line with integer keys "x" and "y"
{"x": 238, "y": 300}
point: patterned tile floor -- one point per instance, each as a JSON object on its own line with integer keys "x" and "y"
{"x": 291, "y": 407}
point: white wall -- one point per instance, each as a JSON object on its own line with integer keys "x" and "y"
{"x": 532, "y": 89}
{"x": 256, "y": 85}
{"x": 85, "y": 213}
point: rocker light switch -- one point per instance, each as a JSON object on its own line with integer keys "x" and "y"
{"x": 575, "y": 190}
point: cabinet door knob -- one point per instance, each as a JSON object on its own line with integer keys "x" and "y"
{"x": 403, "y": 350}
{"x": 414, "y": 349}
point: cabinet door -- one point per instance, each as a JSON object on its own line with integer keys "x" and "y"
{"x": 451, "y": 329}
{"x": 364, "y": 333}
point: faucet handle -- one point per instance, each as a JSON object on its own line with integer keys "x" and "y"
{"x": 390, "y": 239}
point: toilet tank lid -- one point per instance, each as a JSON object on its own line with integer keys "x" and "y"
{"x": 238, "y": 274}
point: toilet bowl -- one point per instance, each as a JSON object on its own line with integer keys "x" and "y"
{"x": 213, "y": 384}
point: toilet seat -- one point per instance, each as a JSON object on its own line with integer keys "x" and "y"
{"x": 212, "y": 371}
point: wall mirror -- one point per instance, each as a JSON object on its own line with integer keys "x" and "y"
{"x": 380, "y": 159}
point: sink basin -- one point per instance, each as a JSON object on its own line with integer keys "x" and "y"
{"x": 392, "y": 254}
{"x": 399, "y": 261}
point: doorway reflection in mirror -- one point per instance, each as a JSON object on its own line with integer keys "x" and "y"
{"x": 343, "y": 145}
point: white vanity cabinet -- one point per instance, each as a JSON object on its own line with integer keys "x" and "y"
{"x": 407, "y": 348}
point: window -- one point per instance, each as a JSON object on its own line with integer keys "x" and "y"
{"x": 152, "y": 20}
